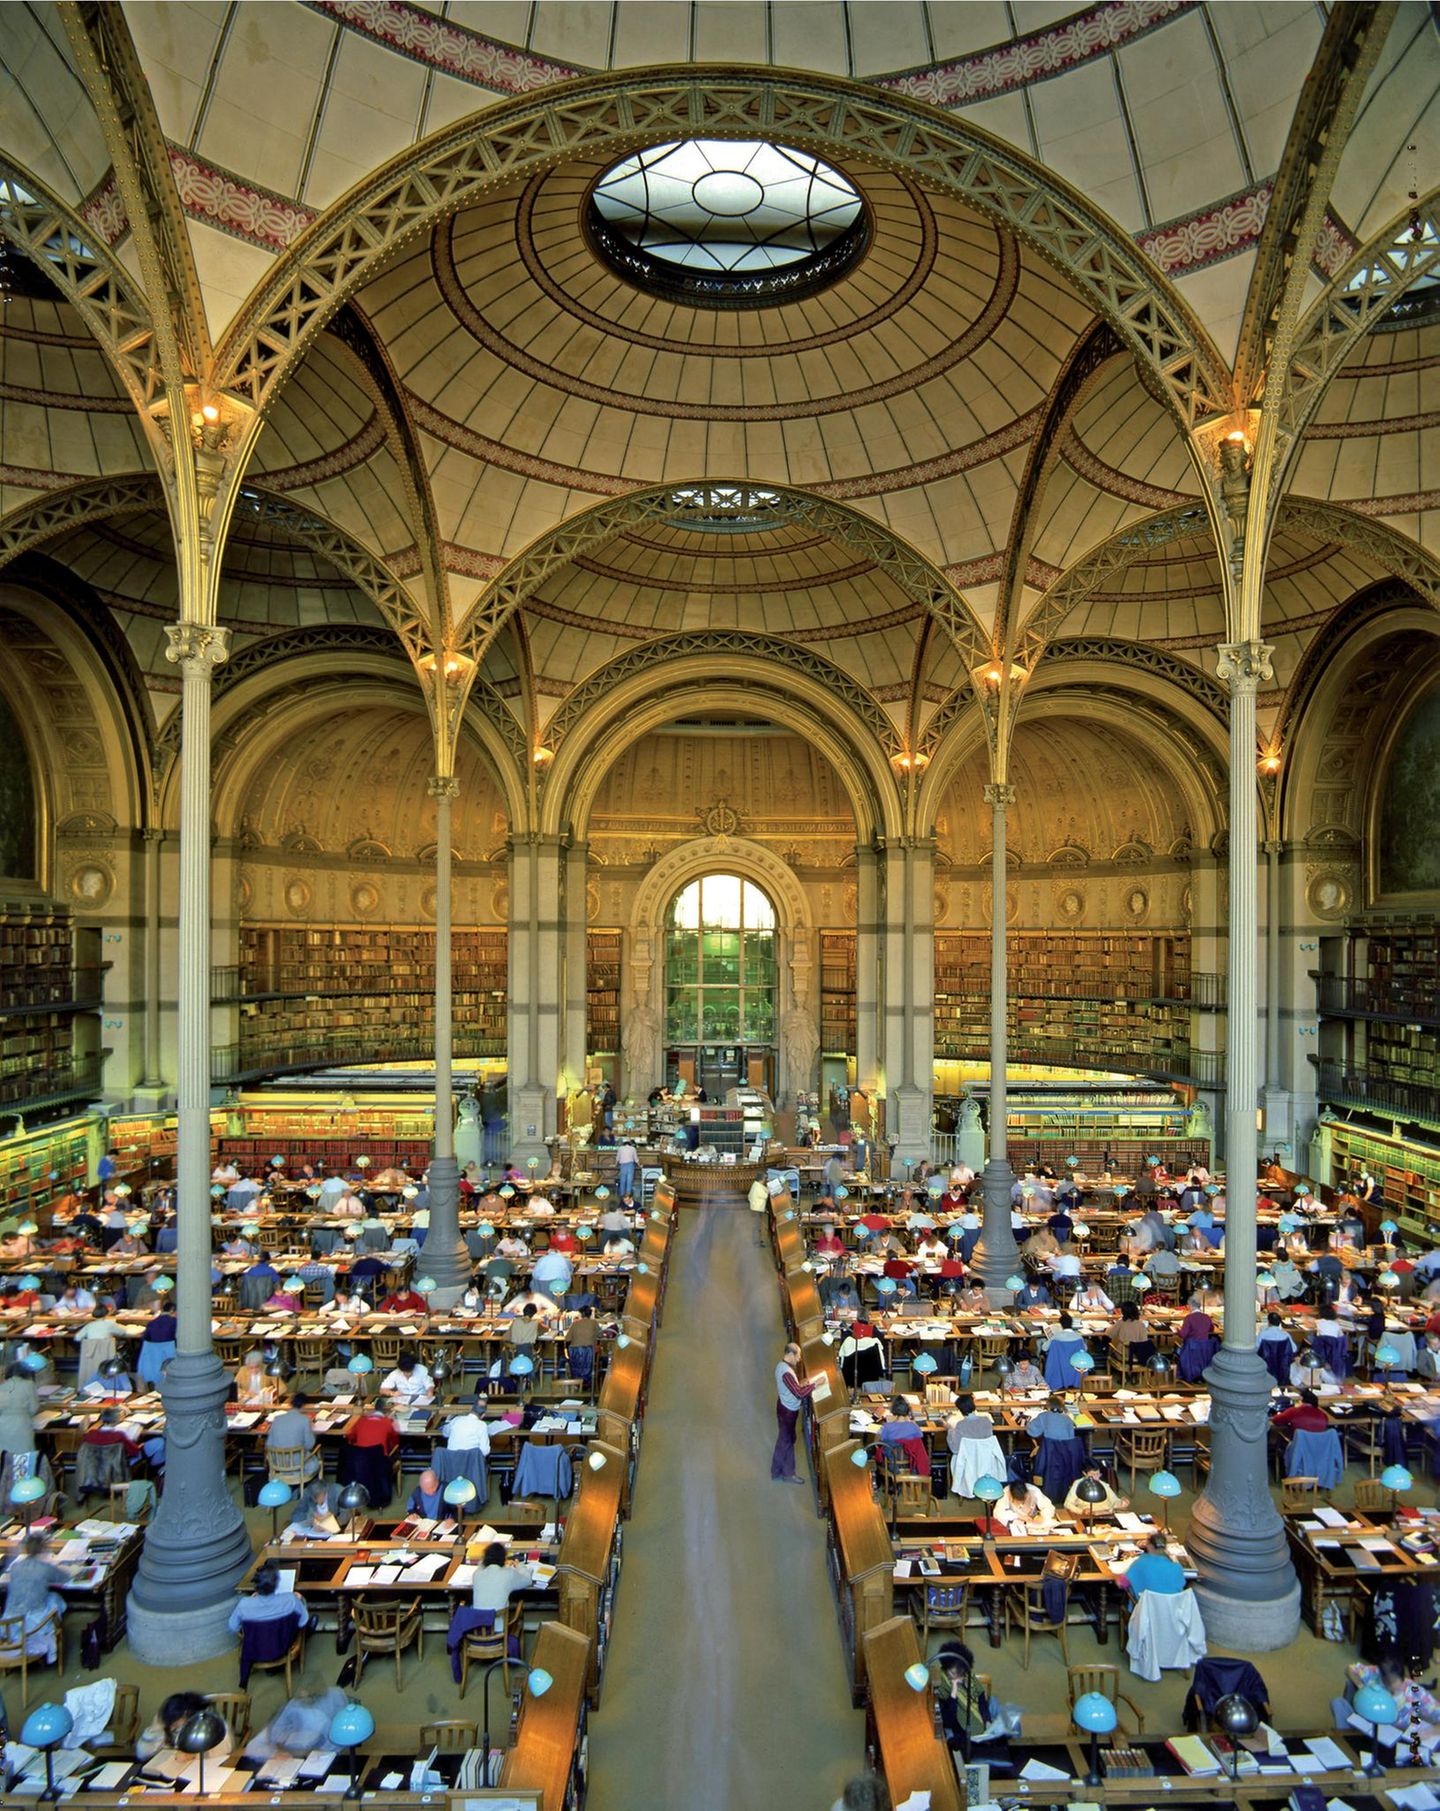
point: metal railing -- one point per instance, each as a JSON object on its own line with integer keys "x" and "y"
{"x": 75, "y": 989}
{"x": 233, "y": 1063}
{"x": 37, "y": 1085}
{"x": 1367, "y": 999}
{"x": 1344, "y": 1086}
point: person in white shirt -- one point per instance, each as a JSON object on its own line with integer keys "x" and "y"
{"x": 539, "y": 1208}
{"x": 74, "y": 1300}
{"x": 345, "y": 1304}
{"x": 1091, "y": 1299}
{"x": 1064, "y": 1264}
{"x": 409, "y": 1383}
{"x": 512, "y": 1247}
{"x": 495, "y": 1582}
{"x": 467, "y": 1433}
{"x": 615, "y": 1219}
{"x": 1024, "y": 1509}
{"x": 619, "y": 1246}
{"x": 543, "y": 1304}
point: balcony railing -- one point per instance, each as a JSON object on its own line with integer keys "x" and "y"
{"x": 234, "y": 1063}
{"x": 1340, "y": 996}
{"x": 40, "y": 1085}
{"x": 56, "y": 990}
{"x": 1344, "y": 1086}
{"x": 1198, "y": 1068}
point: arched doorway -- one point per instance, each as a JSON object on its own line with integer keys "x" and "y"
{"x": 721, "y": 985}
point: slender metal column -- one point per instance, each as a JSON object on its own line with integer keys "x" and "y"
{"x": 867, "y": 967}
{"x": 574, "y": 925}
{"x": 443, "y": 1255}
{"x": 196, "y": 1548}
{"x": 1273, "y": 1077}
{"x": 152, "y": 1076}
{"x": 1247, "y": 1588}
{"x": 997, "y": 1254}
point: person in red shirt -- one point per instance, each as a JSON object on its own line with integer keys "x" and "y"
{"x": 108, "y": 1432}
{"x": 829, "y": 1244}
{"x": 1306, "y": 1415}
{"x": 404, "y": 1301}
{"x": 562, "y": 1239}
{"x": 372, "y": 1427}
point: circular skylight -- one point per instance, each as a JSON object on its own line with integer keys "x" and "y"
{"x": 725, "y": 222}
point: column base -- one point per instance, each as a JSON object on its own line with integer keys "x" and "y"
{"x": 1246, "y": 1583}
{"x": 151, "y": 1094}
{"x": 443, "y": 1255}
{"x": 1278, "y": 1106}
{"x": 908, "y": 1122}
{"x": 996, "y": 1256}
{"x": 530, "y": 1112}
{"x": 178, "y": 1637}
{"x": 1249, "y": 1625}
{"x": 197, "y": 1549}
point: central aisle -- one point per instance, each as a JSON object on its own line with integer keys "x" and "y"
{"x": 725, "y": 1686}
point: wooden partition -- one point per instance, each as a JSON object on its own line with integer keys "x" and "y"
{"x": 588, "y": 1564}
{"x": 862, "y": 1559}
{"x": 900, "y": 1722}
{"x": 548, "y": 1756}
{"x": 621, "y": 1408}
{"x": 804, "y": 1314}
{"x": 829, "y": 1419}
{"x": 642, "y": 1299}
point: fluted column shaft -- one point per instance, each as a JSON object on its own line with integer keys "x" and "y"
{"x": 443, "y": 1256}
{"x": 996, "y": 1255}
{"x": 152, "y": 1077}
{"x": 867, "y": 967}
{"x": 1247, "y": 1587}
{"x": 196, "y": 1548}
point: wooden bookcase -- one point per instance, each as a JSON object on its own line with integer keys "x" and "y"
{"x": 837, "y": 993}
{"x": 602, "y": 994}
{"x": 49, "y": 1009}
{"x": 1408, "y": 1174}
{"x": 37, "y": 1168}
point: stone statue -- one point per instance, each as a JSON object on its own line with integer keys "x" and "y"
{"x": 640, "y": 1041}
{"x": 1197, "y": 1122}
{"x": 801, "y": 1044}
{"x": 469, "y": 1135}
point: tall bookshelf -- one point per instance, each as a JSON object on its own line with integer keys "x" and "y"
{"x": 837, "y": 993}
{"x": 1380, "y": 1018}
{"x": 49, "y": 999}
{"x": 602, "y": 994}
{"x": 1116, "y": 1000}
{"x": 1408, "y": 1174}
{"x": 355, "y": 993}
{"x": 37, "y": 1168}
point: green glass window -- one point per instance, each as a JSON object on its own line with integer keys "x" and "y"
{"x": 720, "y": 964}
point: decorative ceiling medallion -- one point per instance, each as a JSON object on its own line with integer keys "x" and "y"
{"x": 365, "y": 899}
{"x": 297, "y": 896}
{"x": 1330, "y": 893}
{"x": 1069, "y": 904}
{"x": 90, "y": 884}
{"x": 722, "y": 223}
{"x": 1136, "y": 904}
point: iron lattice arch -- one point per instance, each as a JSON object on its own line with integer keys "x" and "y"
{"x": 646, "y": 656}
{"x": 605, "y": 116}
{"x": 701, "y": 504}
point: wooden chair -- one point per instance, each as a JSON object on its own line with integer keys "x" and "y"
{"x": 1100, "y": 1383}
{"x": 1372, "y": 1496}
{"x": 1103, "y": 1679}
{"x": 116, "y": 1508}
{"x": 1200, "y": 1458}
{"x": 223, "y": 1304}
{"x": 483, "y": 1646}
{"x": 387, "y": 1628}
{"x": 1027, "y": 1607}
{"x": 1298, "y": 1494}
{"x": 1142, "y": 1449}
{"x": 311, "y": 1355}
{"x": 943, "y": 1607}
{"x": 15, "y": 1641}
{"x": 385, "y": 1349}
{"x": 450, "y": 1736}
{"x": 234, "y": 1708}
{"x": 124, "y": 1724}
{"x": 230, "y": 1350}
{"x": 287, "y": 1464}
{"x": 909, "y": 1494}
{"x": 293, "y": 1654}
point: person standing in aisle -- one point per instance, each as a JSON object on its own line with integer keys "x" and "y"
{"x": 791, "y": 1396}
{"x": 628, "y": 1160}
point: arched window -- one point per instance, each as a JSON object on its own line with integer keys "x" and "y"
{"x": 720, "y": 966}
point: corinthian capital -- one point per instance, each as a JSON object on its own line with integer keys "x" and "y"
{"x": 1001, "y": 793}
{"x": 196, "y": 646}
{"x": 443, "y": 786}
{"x": 1244, "y": 666}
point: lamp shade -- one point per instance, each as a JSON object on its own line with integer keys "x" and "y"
{"x": 46, "y": 1726}
{"x": 351, "y": 1726}
{"x": 1014, "y": 1282}
{"x": 643, "y": 1268}
{"x": 34, "y": 1361}
{"x": 1090, "y": 1490}
{"x": 596, "y": 1461}
{"x": 622, "y": 1340}
{"x": 200, "y": 1733}
{"x": 884, "y": 1285}
{"x": 539, "y": 1681}
{"x": 274, "y": 1493}
{"x": 426, "y": 1284}
{"x": 354, "y": 1496}
{"x": 988, "y": 1489}
{"x": 1237, "y": 1715}
{"x": 459, "y": 1490}
{"x": 1386, "y": 1355}
{"x": 1082, "y": 1362}
{"x": 1388, "y": 1226}
{"x": 1081, "y": 1229}
{"x": 1095, "y": 1712}
{"x": 360, "y": 1364}
{"x": 27, "y": 1490}
{"x": 1394, "y": 1477}
{"x": 1375, "y": 1705}
{"x": 1140, "y": 1280}
{"x": 917, "y": 1675}
{"x": 924, "y": 1363}
{"x": 521, "y": 1365}
{"x": 27, "y": 1227}
{"x": 1164, "y": 1484}
{"x": 1159, "y": 1365}
{"x": 860, "y": 1456}
{"x": 842, "y": 1193}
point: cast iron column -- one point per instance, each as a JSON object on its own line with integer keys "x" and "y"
{"x": 196, "y": 1549}
{"x": 997, "y": 1256}
{"x": 1247, "y": 1588}
{"x": 443, "y": 1256}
